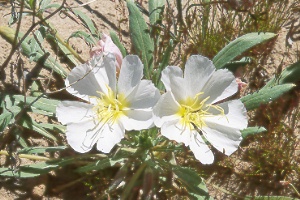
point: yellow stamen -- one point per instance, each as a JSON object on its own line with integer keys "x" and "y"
{"x": 193, "y": 111}
{"x": 110, "y": 106}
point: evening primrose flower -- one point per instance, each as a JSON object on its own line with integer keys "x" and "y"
{"x": 190, "y": 111}
{"x": 112, "y": 106}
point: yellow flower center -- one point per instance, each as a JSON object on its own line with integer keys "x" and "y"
{"x": 110, "y": 106}
{"x": 193, "y": 111}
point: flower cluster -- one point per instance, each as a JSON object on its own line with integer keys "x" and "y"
{"x": 191, "y": 111}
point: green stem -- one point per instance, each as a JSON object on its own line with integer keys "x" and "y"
{"x": 133, "y": 180}
{"x": 31, "y": 157}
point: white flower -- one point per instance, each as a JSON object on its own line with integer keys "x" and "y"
{"x": 190, "y": 108}
{"x": 112, "y": 106}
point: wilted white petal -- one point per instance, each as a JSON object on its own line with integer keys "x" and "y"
{"x": 144, "y": 95}
{"x": 167, "y": 73}
{"x": 198, "y": 70}
{"x": 201, "y": 150}
{"x": 165, "y": 109}
{"x": 222, "y": 84}
{"x": 81, "y": 135}
{"x": 72, "y": 111}
{"x": 109, "y": 136}
{"x": 130, "y": 74}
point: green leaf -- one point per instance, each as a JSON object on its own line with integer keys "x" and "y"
{"x": 289, "y": 75}
{"x": 252, "y": 131}
{"x": 54, "y": 127}
{"x": 10, "y": 111}
{"x": 265, "y": 95}
{"x": 4, "y": 171}
{"x": 39, "y": 105}
{"x": 83, "y": 35}
{"x": 36, "y": 150}
{"x": 232, "y": 66}
{"x": 8, "y": 34}
{"x": 98, "y": 165}
{"x": 163, "y": 64}
{"x": 86, "y": 21}
{"x": 44, "y": 4}
{"x": 156, "y": 8}
{"x": 36, "y": 41}
{"x": 239, "y": 46}
{"x": 29, "y": 123}
{"x": 117, "y": 42}
{"x": 191, "y": 180}
{"x": 140, "y": 37}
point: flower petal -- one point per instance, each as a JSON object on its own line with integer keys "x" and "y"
{"x": 109, "y": 73}
{"x": 82, "y": 136}
{"x": 235, "y": 115}
{"x": 130, "y": 75}
{"x": 170, "y": 71}
{"x": 224, "y": 132}
{"x": 82, "y": 83}
{"x": 86, "y": 80}
{"x": 144, "y": 95}
{"x": 165, "y": 109}
{"x": 224, "y": 139}
{"x": 173, "y": 130}
{"x": 110, "y": 136}
{"x": 198, "y": 70}
{"x": 222, "y": 84}
{"x": 74, "y": 111}
{"x": 201, "y": 150}
{"x": 137, "y": 119}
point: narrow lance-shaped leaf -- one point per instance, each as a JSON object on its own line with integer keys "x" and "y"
{"x": 86, "y": 21}
{"x": 29, "y": 123}
{"x": 39, "y": 105}
{"x": 83, "y": 35}
{"x": 239, "y": 46}
{"x": 265, "y": 95}
{"x": 156, "y": 8}
{"x": 191, "y": 180}
{"x": 252, "y": 131}
{"x": 289, "y": 75}
{"x": 140, "y": 37}
{"x": 34, "y": 150}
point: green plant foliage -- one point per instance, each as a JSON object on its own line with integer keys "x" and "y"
{"x": 156, "y": 8}
{"x": 39, "y": 105}
{"x": 87, "y": 22}
{"x": 37, "y": 150}
{"x": 265, "y": 95}
{"x": 140, "y": 37}
{"x": 239, "y": 46}
{"x": 289, "y": 75}
{"x": 8, "y": 34}
{"x": 191, "y": 180}
{"x": 252, "y": 131}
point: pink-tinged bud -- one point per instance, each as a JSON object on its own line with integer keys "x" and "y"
{"x": 105, "y": 46}
{"x": 241, "y": 84}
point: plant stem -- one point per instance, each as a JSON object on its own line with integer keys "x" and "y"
{"x": 31, "y": 157}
